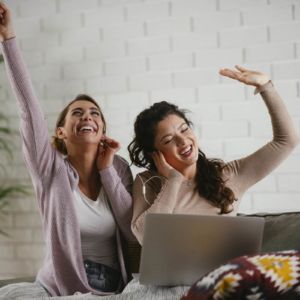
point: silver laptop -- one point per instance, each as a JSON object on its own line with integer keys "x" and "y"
{"x": 179, "y": 249}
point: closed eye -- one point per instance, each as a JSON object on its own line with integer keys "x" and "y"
{"x": 185, "y": 129}
{"x": 95, "y": 113}
{"x": 76, "y": 113}
{"x": 167, "y": 141}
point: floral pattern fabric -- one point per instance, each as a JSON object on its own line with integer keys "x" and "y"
{"x": 273, "y": 276}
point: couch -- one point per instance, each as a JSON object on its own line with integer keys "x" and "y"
{"x": 281, "y": 232}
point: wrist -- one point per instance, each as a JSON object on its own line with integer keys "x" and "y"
{"x": 262, "y": 82}
{"x": 104, "y": 164}
{"x": 264, "y": 87}
{"x": 103, "y": 167}
{"x": 6, "y": 37}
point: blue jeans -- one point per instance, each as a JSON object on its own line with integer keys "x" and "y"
{"x": 102, "y": 277}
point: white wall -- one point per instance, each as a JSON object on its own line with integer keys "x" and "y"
{"x": 130, "y": 53}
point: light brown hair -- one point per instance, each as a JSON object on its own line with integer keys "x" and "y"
{"x": 58, "y": 143}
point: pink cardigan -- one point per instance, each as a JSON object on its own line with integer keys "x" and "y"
{"x": 54, "y": 180}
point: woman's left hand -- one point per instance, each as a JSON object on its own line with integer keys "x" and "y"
{"x": 246, "y": 76}
{"x": 106, "y": 152}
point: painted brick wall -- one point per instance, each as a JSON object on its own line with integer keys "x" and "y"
{"x": 131, "y": 53}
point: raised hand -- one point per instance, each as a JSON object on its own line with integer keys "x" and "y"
{"x": 163, "y": 168}
{"x": 246, "y": 76}
{"x": 106, "y": 152}
{"x": 6, "y": 26}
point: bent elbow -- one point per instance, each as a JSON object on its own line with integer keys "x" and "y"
{"x": 295, "y": 140}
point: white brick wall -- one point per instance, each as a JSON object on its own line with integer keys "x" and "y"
{"x": 29, "y": 27}
{"x": 59, "y": 22}
{"x": 220, "y": 93}
{"x": 147, "y": 11}
{"x": 287, "y": 70}
{"x": 148, "y": 81}
{"x": 125, "y": 66}
{"x": 147, "y": 46}
{"x": 103, "y": 16}
{"x": 195, "y": 77}
{"x": 168, "y": 26}
{"x": 30, "y": 8}
{"x": 107, "y": 49}
{"x": 267, "y": 16}
{"x": 56, "y": 55}
{"x": 171, "y": 61}
{"x": 77, "y": 5}
{"x": 123, "y": 31}
{"x": 128, "y": 54}
{"x": 224, "y": 129}
{"x": 127, "y": 100}
{"x": 179, "y": 96}
{"x": 42, "y": 42}
{"x": 193, "y": 42}
{"x": 219, "y": 57}
{"x": 241, "y": 4}
{"x": 81, "y": 36}
{"x": 215, "y": 21}
{"x": 267, "y": 52}
{"x": 243, "y": 36}
{"x": 191, "y": 7}
{"x": 285, "y": 32}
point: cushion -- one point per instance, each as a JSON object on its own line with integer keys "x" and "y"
{"x": 4, "y": 282}
{"x": 281, "y": 231}
{"x": 267, "y": 276}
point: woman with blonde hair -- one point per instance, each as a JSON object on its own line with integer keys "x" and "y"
{"x": 83, "y": 189}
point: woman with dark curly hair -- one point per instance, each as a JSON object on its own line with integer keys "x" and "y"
{"x": 181, "y": 179}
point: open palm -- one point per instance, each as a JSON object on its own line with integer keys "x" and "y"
{"x": 246, "y": 76}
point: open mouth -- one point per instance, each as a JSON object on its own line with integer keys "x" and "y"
{"x": 186, "y": 152}
{"x": 86, "y": 129}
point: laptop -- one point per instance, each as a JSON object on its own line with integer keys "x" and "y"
{"x": 178, "y": 249}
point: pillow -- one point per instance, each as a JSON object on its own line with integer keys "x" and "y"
{"x": 266, "y": 276}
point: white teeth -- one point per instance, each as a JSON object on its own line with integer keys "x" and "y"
{"x": 86, "y": 128}
{"x": 186, "y": 150}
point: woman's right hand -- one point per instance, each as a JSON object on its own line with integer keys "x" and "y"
{"x": 162, "y": 166}
{"x": 6, "y": 27}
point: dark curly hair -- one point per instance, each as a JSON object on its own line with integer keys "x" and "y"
{"x": 209, "y": 180}
{"x": 58, "y": 143}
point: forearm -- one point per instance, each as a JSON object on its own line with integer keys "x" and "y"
{"x": 249, "y": 170}
{"x": 120, "y": 198}
{"x": 37, "y": 148}
{"x": 284, "y": 131}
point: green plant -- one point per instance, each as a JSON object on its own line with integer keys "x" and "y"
{"x": 6, "y": 190}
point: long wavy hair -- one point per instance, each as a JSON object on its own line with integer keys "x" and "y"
{"x": 209, "y": 176}
{"x": 58, "y": 143}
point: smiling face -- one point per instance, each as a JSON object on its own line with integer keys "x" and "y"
{"x": 83, "y": 124}
{"x": 178, "y": 143}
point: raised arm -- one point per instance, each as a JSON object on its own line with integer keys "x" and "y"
{"x": 37, "y": 149}
{"x": 251, "y": 169}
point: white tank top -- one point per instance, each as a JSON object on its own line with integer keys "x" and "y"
{"x": 97, "y": 229}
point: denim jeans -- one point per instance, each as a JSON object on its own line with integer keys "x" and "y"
{"x": 102, "y": 277}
